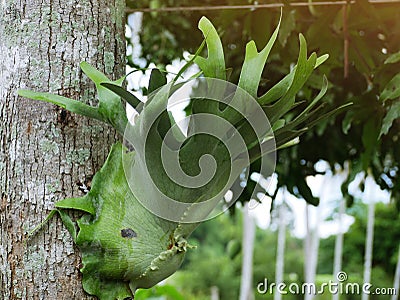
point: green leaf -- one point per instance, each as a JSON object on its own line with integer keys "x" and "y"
{"x": 160, "y": 290}
{"x": 110, "y": 109}
{"x": 190, "y": 62}
{"x": 290, "y": 143}
{"x": 40, "y": 226}
{"x": 347, "y": 121}
{"x": 214, "y": 65}
{"x": 95, "y": 75}
{"x": 125, "y": 246}
{"x": 285, "y": 136}
{"x": 392, "y": 89}
{"x": 329, "y": 114}
{"x": 286, "y": 133}
{"x": 68, "y": 223}
{"x": 131, "y": 99}
{"x": 82, "y": 204}
{"x": 66, "y": 103}
{"x": 168, "y": 290}
{"x": 320, "y": 60}
{"x": 110, "y": 106}
{"x": 254, "y": 63}
{"x": 157, "y": 80}
{"x": 121, "y": 241}
{"x": 278, "y": 90}
{"x": 392, "y": 114}
{"x": 306, "y": 114}
{"x": 316, "y": 99}
{"x": 394, "y": 58}
{"x": 303, "y": 71}
{"x": 369, "y": 139}
{"x": 278, "y": 124}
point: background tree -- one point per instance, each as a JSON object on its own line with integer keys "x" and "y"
{"x": 363, "y": 42}
{"x": 387, "y": 235}
{"x": 46, "y": 153}
{"x": 216, "y": 239}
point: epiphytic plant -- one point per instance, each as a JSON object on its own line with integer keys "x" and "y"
{"x": 157, "y": 186}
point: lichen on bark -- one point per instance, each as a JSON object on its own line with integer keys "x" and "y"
{"x": 41, "y": 45}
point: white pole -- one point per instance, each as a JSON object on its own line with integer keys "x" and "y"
{"x": 313, "y": 242}
{"x": 249, "y": 229}
{"x": 396, "y": 283}
{"x": 337, "y": 264}
{"x": 313, "y": 254}
{"x": 214, "y": 293}
{"x": 280, "y": 251}
{"x": 370, "y": 233}
{"x": 307, "y": 244}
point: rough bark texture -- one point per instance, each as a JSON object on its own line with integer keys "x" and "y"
{"x": 47, "y": 154}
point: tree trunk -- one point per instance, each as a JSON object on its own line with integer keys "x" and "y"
{"x": 46, "y": 154}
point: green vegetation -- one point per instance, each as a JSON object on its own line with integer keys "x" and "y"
{"x": 210, "y": 264}
{"x": 125, "y": 240}
{"x": 362, "y": 41}
{"x": 365, "y": 71}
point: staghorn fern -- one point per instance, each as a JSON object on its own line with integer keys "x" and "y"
{"x": 137, "y": 216}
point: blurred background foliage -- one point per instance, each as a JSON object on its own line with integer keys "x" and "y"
{"x": 363, "y": 41}
{"x": 212, "y": 263}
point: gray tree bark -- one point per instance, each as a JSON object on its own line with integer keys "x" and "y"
{"x": 47, "y": 154}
